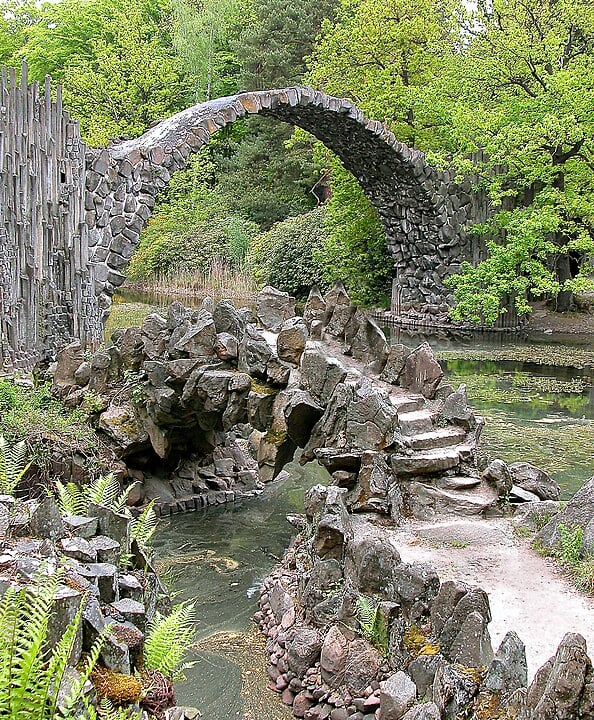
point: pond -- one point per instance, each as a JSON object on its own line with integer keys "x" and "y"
{"x": 217, "y": 558}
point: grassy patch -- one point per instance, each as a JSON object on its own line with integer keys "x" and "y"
{"x": 45, "y": 425}
{"x": 557, "y": 355}
{"x": 579, "y": 567}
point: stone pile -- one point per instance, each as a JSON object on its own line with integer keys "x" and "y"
{"x": 207, "y": 404}
{"x": 355, "y": 633}
{"x": 102, "y": 569}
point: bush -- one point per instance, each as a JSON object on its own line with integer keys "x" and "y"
{"x": 354, "y": 247}
{"x": 284, "y": 256}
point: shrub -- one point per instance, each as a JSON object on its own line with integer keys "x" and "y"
{"x": 284, "y": 256}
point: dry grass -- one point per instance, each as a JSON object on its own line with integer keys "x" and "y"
{"x": 219, "y": 281}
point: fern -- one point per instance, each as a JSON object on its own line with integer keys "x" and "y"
{"x": 12, "y": 465}
{"x": 168, "y": 639}
{"x": 143, "y": 527}
{"x": 104, "y": 490}
{"x": 31, "y": 673}
{"x": 371, "y": 623}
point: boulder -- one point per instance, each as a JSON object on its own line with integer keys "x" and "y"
{"x": 303, "y": 649}
{"x": 558, "y": 686}
{"x": 291, "y": 340}
{"x": 395, "y": 362}
{"x": 371, "y": 564}
{"x": 325, "y": 576}
{"x": 371, "y": 491}
{"x": 46, "y": 521}
{"x": 106, "y": 367}
{"x": 464, "y": 637}
{"x": 397, "y": 695}
{"x": 69, "y": 359}
{"x": 129, "y": 344}
{"x": 415, "y": 582}
{"x": 426, "y": 711}
{"x": 508, "y": 670}
{"x": 227, "y": 319}
{"x": 259, "y": 408}
{"x": 122, "y": 425}
{"x": 199, "y": 340}
{"x": 301, "y": 414}
{"x": 273, "y": 307}
{"x": 333, "y": 659}
{"x": 362, "y": 666}
{"x": 422, "y": 373}
{"x": 534, "y": 480}
{"x": 579, "y": 512}
{"x": 367, "y": 342}
{"x": 371, "y": 419}
{"x": 315, "y": 307}
{"x": 321, "y": 374}
{"x": 535, "y": 515}
{"x": 338, "y": 311}
{"x": 254, "y": 353}
{"x": 455, "y": 409}
{"x": 334, "y": 527}
{"x": 497, "y": 474}
{"x": 226, "y": 347}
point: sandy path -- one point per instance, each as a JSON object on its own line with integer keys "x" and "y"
{"x": 527, "y": 592}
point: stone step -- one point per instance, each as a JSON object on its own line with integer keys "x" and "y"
{"x": 428, "y": 500}
{"x": 415, "y": 422}
{"x": 407, "y": 403}
{"x": 457, "y": 482}
{"x": 427, "y": 462}
{"x": 442, "y": 437}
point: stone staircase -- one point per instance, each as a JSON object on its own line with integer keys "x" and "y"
{"x": 437, "y": 465}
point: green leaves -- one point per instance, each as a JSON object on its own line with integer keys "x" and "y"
{"x": 13, "y": 465}
{"x": 168, "y": 639}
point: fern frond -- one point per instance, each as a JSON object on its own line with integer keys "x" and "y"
{"x": 143, "y": 527}
{"x": 12, "y": 465}
{"x": 168, "y": 639}
{"x": 71, "y": 499}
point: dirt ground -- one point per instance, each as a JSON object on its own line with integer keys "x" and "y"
{"x": 528, "y": 593}
{"x": 544, "y": 320}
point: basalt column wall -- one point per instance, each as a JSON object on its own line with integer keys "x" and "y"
{"x": 47, "y": 293}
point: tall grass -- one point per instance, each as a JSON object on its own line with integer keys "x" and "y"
{"x": 219, "y": 280}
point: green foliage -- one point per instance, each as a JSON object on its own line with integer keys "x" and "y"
{"x": 33, "y": 415}
{"x": 13, "y": 465}
{"x": 526, "y": 87}
{"x": 371, "y": 622}
{"x": 143, "y": 527}
{"x": 31, "y": 673}
{"x": 284, "y": 256}
{"x": 276, "y": 38}
{"x": 570, "y": 545}
{"x": 354, "y": 247}
{"x": 103, "y": 490}
{"x": 168, "y": 639}
{"x": 114, "y": 59}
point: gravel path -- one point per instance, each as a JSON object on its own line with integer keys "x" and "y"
{"x": 528, "y": 593}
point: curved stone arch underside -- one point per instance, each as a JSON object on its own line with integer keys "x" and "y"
{"x": 422, "y": 210}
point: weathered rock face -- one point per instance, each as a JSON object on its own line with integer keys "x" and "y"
{"x": 579, "y": 513}
{"x": 422, "y": 373}
{"x": 534, "y": 480}
{"x": 273, "y": 307}
{"x": 291, "y": 340}
{"x": 562, "y": 687}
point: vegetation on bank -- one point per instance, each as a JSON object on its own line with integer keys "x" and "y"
{"x": 501, "y": 90}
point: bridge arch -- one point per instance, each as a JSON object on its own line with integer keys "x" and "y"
{"x": 421, "y": 208}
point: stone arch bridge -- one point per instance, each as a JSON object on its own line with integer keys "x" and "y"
{"x": 422, "y": 210}
{"x": 70, "y": 216}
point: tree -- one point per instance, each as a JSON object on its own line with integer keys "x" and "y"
{"x": 523, "y": 97}
{"x": 114, "y": 59}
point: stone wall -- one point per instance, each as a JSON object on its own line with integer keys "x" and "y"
{"x": 47, "y": 295}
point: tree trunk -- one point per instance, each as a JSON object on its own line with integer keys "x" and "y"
{"x": 564, "y": 300}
